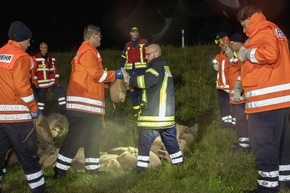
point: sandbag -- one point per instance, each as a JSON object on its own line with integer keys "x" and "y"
{"x": 118, "y": 91}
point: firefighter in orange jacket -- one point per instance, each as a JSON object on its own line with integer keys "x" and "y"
{"x": 45, "y": 76}
{"x": 134, "y": 62}
{"x": 85, "y": 104}
{"x": 237, "y": 98}
{"x": 18, "y": 107}
{"x": 222, "y": 82}
{"x": 266, "y": 82}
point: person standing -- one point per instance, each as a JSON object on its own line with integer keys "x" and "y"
{"x": 237, "y": 97}
{"x": 85, "y": 104}
{"x": 266, "y": 83}
{"x": 157, "y": 114}
{"x": 45, "y": 76}
{"x": 134, "y": 62}
{"x": 222, "y": 65}
{"x": 18, "y": 109}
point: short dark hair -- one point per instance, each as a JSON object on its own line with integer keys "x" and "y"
{"x": 90, "y": 30}
{"x": 247, "y": 12}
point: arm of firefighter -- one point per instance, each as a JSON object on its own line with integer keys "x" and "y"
{"x": 21, "y": 81}
{"x": 149, "y": 79}
{"x": 34, "y": 78}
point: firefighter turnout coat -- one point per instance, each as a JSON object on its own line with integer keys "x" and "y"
{"x": 157, "y": 106}
{"x": 86, "y": 88}
{"x": 16, "y": 94}
{"x": 265, "y": 78}
{"x": 45, "y": 74}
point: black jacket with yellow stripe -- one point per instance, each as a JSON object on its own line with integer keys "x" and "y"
{"x": 158, "y": 96}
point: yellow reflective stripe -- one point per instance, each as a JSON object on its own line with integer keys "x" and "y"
{"x": 152, "y": 71}
{"x": 144, "y": 95}
{"x": 141, "y": 81}
{"x": 155, "y": 124}
{"x": 163, "y": 96}
{"x": 141, "y": 52}
{"x": 156, "y": 118}
{"x": 137, "y": 107}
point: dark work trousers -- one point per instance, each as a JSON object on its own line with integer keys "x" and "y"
{"x": 269, "y": 134}
{"x": 225, "y": 109}
{"x": 147, "y": 136}
{"x": 58, "y": 93}
{"x": 23, "y": 138}
{"x": 84, "y": 131}
{"x": 241, "y": 124}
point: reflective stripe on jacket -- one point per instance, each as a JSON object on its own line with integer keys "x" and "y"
{"x": 135, "y": 55}
{"x": 265, "y": 77}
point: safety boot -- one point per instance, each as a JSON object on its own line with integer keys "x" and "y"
{"x": 58, "y": 173}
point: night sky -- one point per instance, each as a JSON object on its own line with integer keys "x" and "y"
{"x": 61, "y": 23}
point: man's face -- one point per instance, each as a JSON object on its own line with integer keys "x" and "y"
{"x": 44, "y": 49}
{"x": 24, "y": 44}
{"x": 244, "y": 24}
{"x": 150, "y": 54}
{"x": 134, "y": 34}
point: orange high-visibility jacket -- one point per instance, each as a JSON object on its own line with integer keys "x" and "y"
{"x": 234, "y": 75}
{"x": 265, "y": 77}
{"x": 16, "y": 94}
{"x": 222, "y": 82}
{"x": 86, "y": 86}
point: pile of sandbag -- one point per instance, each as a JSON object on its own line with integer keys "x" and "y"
{"x": 50, "y": 127}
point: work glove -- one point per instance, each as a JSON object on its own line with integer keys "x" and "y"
{"x": 238, "y": 91}
{"x": 119, "y": 74}
{"x": 126, "y": 76}
{"x": 215, "y": 67}
{"x": 36, "y": 114}
{"x": 244, "y": 54}
{"x": 229, "y": 52}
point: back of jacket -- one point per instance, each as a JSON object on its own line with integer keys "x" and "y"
{"x": 85, "y": 92}
{"x": 16, "y": 94}
{"x": 265, "y": 78}
{"x": 158, "y": 95}
{"x": 222, "y": 82}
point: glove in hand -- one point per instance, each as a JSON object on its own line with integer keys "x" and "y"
{"x": 119, "y": 74}
{"x": 126, "y": 76}
{"x": 229, "y": 52}
{"x": 215, "y": 67}
{"x": 244, "y": 54}
{"x": 36, "y": 114}
{"x": 238, "y": 91}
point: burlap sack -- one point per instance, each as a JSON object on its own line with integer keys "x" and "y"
{"x": 118, "y": 91}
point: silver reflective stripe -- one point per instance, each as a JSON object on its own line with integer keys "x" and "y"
{"x": 92, "y": 160}
{"x": 39, "y": 59}
{"x": 37, "y": 184}
{"x": 268, "y": 184}
{"x": 284, "y": 178}
{"x": 92, "y": 167}
{"x": 143, "y": 158}
{"x": 6, "y": 117}
{"x": 64, "y": 159}
{"x": 253, "y": 59}
{"x": 34, "y": 175}
{"x": 284, "y": 167}
{"x": 177, "y": 160}
{"x": 85, "y": 100}
{"x": 267, "y": 90}
{"x": 61, "y": 99}
{"x": 142, "y": 164}
{"x": 13, "y": 108}
{"x": 62, "y": 166}
{"x": 272, "y": 174}
{"x": 103, "y": 78}
{"x": 85, "y": 107}
{"x": 175, "y": 155}
{"x": 267, "y": 102}
{"x": 28, "y": 98}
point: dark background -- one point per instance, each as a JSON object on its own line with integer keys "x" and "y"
{"x": 61, "y": 23}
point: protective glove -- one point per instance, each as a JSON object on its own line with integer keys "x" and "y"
{"x": 244, "y": 54}
{"x": 215, "y": 67}
{"x": 229, "y": 52}
{"x": 126, "y": 76}
{"x": 119, "y": 74}
{"x": 238, "y": 91}
{"x": 36, "y": 114}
